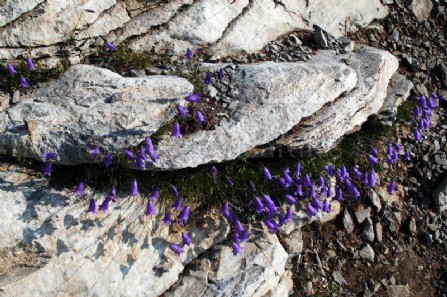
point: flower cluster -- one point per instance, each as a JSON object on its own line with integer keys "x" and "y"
{"x": 12, "y": 72}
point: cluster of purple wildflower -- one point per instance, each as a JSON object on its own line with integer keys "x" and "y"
{"x": 145, "y": 152}
{"x": 423, "y": 113}
{"x": 12, "y": 71}
{"x": 194, "y": 98}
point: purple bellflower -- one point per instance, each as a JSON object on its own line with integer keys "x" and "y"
{"x": 236, "y": 249}
{"x": 49, "y": 155}
{"x": 79, "y": 190}
{"x": 374, "y": 151}
{"x": 357, "y": 173}
{"x": 176, "y": 130}
{"x": 311, "y": 211}
{"x": 176, "y": 249}
{"x": 129, "y": 154}
{"x": 92, "y": 207}
{"x": 194, "y": 98}
{"x": 326, "y": 206}
{"x": 297, "y": 170}
{"x": 154, "y": 194}
{"x": 329, "y": 170}
{"x": 150, "y": 209}
{"x": 110, "y": 46}
{"x": 186, "y": 239}
{"x": 95, "y": 152}
{"x": 11, "y": 70}
{"x": 30, "y": 64}
{"x": 149, "y": 145}
{"x": 266, "y": 173}
{"x": 200, "y": 118}
{"x": 107, "y": 161}
{"x": 307, "y": 182}
{"x": 317, "y": 204}
{"x": 220, "y": 74}
{"x": 320, "y": 182}
{"x": 134, "y": 188}
{"x": 178, "y": 204}
{"x": 208, "y": 78}
{"x": 227, "y": 213}
{"x": 338, "y": 194}
{"x": 238, "y": 226}
{"x": 243, "y": 236}
{"x": 391, "y": 188}
{"x": 372, "y": 160}
{"x": 288, "y": 216}
{"x": 259, "y": 206}
{"x": 47, "y": 169}
{"x": 175, "y": 191}
{"x": 182, "y": 111}
{"x": 153, "y": 155}
{"x": 417, "y": 111}
{"x": 290, "y": 200}
{"x": 183, "y": 216}
{"x": 189, "y": 53}
{"x": 167, "y": 220}
{"x": 417, "y": 135}
{"x": 104, "y": 207}
{"x": 23, "y": 83}
{"x": 407, "y": 156}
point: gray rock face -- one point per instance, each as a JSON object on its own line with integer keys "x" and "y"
{"x": 440, "y": 196}
{"x": 89, "y": 106}
{"x": 273, "y": 97}
{"x": 398, "y": 91}
{"x": 256, "y": 272}
{"x": 121, "y": 252}
{"x": 221, "y": 28}
{"x": 421, "y": 9}
{"x": 320, "y": 132}
{"x": 367, "y": 253}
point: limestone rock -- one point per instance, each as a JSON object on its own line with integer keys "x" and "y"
{"x": 273, "y": 97}
{"x": 258, "y": 271}
{"x": 348, "y": 224}
{"x": 398, "y": 91}
{"x": 340, "y": 16}
{"x": 421, "y": 9}
{"x": 322, "y": 131}
{"x": 69, "y": 252}
{"x": 440, "y": 196}
{"x": 89, "y": 106}
{"x": 367, "y": 253}
{"x": 12, "y": 9}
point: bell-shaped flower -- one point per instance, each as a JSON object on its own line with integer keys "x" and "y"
{"x": 307, "y": 182}
{"x": 259, "y": 206}
{"x": 312, "y": 191}
{"x": 338, "y": 194}
{"x": 186, "y": 239}
{"x": 194, "y": 98}
{"x": 92, "y": 207}
{"x": 154, "y": 194}
{"x": 150, "y": 209}
{"x": 167, "y": 220}
{"x": 178, "y": 204}
{"x": 149, "y": 145}
{"x": 236, "y": 249}
{"x": 208, "y": 78}
{"x": 47, "y": 169}
{"x": 95, "y": 152}
{"x": 290, "y": 200}
{"x": 271, "y": 225}
{"x": 329, "y": 170}
{"x": 372, "y": 160}
{"x": 129, "y": 154}
{"x": 183, "y": 216}
{"x": 317, "y": 204}
{"x": 407, "y": 156}
{"x": 320, "y": 182}
{"x": 417, "y": 111}
{"x": 220, "y": 74}
{"x": 189, "y": 53}
{"x": 311, "y": 211}
{"x": 374, "y": 151}
{"x": 417, "y": 135}
{"x": 357, "y": 173}
{"x": 243, "y": 236}
{"x": 200, "y": 119}
{"x": 29, "y": 64}
{"x": 326, "y": 206}
{"x": 372, "y": 179}
{"x": 176, "y": 130}
{"x": 175, "y": 191}
{"x": 134, "y": 188}
{"x": 104, "y": 207}
{"x": 79, "y": 190}
{"x": 49, "y": 155}
{"x": 11, "y": 70}
{"x": 266, "y": 173}
{"x": 176, "y": 249}
{"x": 107, "y": 160}
{"x": 288, "y": 216}
{"x": 23, "y": 83}
{"x": 110, "y": 46}
{"x": 297, "y": 170}
{"x": 238, "y": 226}
{"x": 182, "y": 111}
{"x": 392, "y": 186}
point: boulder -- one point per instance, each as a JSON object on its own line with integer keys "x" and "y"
{"x": 89, "y": 106}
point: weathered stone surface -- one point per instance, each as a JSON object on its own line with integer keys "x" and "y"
{"x": 337, "y": 17}
{"x": 257, "y": 271}
{"x": 89, "y": 106}
{"x": 221, "y": 28}
{"x": 421, "y": 9}
{"x": 263, "y": 21}
{"x": 69, "y": 252}
{"x": 348, "y": 224}
{"x": 398, "y": 91}
{"x": 440, "y": 196}
{"x": 325, "y": 128}
{"x": 56, "y": 21}
{"x": 12, "y": 9}
{"x": 367, "y": 253}
{"x": 273, "y": 97}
